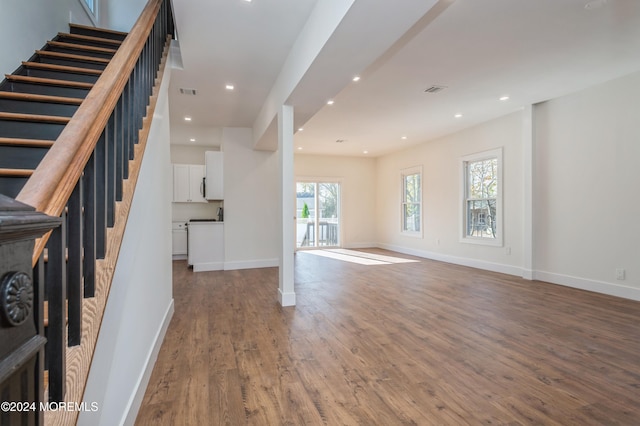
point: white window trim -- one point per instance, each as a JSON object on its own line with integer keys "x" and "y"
{"x": 403, "y": 173}
{"x": 93, "y": 16}
{"x": 464, "y": 238}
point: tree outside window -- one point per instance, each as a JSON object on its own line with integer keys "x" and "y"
{"x": 482, "y": 196}
{"x": 412, "y": 201}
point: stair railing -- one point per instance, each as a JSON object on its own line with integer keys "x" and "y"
{"x": 80, "y": 180}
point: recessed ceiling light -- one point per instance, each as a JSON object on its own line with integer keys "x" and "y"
{"x": 300, "y": 129}
{"x": 330, "y": 102}
{"x": 504, "y": 98}
{"x": 356, "y": 78}
{"x": 403, "y": 138}
{"x": 187, "y": 119}
{"x": 458, "y": 115}
{"x": 365, "y": 152}
{"x": 192, "y": 140}
{"x": 229, "y": 87}
{"x": 299, "y": 148}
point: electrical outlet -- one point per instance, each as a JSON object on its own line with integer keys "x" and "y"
{"x": 620, "y": 274}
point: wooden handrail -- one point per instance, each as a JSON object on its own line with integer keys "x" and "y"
{"x": 53, "y": 181}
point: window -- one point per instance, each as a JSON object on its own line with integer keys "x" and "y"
{"x": 91, "y": 6}
{"x": 412, "y": 201}
{"x": 482, "y": 198}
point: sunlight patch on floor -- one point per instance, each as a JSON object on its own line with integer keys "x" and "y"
{"x": 360, "y": 257}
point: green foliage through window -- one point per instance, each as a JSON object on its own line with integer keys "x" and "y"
{"x": 411, "y": 201}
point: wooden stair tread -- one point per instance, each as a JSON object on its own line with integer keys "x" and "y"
{"x": 30, "y": 143}
{"x": 31, "y": 97}
{"x": 102, "y": 30}
{"x": 13, "y": 116}
{"x": 48, "y": 81}
{"x": 50, "y": 54}
{"x": 90, "y": 38}
{"x": 16, "y": 173}
{"x": 62, "y": 68}
{"x": 64, "y": 45}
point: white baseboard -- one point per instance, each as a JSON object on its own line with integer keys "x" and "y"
{"x": 287, "y": 299}
{"x": 611, "y": 289}
{"x": 133, "y": 406}
{"x": 360, "y": 245}
{"x": 208, "y": 266}
{"x": 464, "y": 261}
{"x": 251, "y": 264}
{"x": 179, "y": 257}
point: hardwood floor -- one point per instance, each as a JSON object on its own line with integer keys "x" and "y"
{"x": 423, "y": 343}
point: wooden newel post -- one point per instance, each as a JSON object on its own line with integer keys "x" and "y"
{"x": 21, "y": 313}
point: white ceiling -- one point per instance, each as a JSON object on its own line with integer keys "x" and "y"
{"x": 529, "y": 50}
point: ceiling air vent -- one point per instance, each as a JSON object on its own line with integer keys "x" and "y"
{"x": 340, "y": 140}
{"x": 191, "y": 92}
{"x": 434, "y": 89}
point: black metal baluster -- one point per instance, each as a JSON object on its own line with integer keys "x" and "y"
{"x": 126, "y": 121}
{"x": 128, "y": 97}
{"x": 56, "y": 284}
{"x": 90, "y": 239}
{"x": 133, "y": 120}
{"x": 119, "y": 149}
{"x": 74, "y": 265}
{"x": 111, "y": 170}
{"x": 137, "y": 111}
{"x": 101, "y": 206}
{"x": 38, "y": 285}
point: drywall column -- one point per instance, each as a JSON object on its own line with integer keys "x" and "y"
{"x": 527, "y": 192}
{"x": 286, "y": 294}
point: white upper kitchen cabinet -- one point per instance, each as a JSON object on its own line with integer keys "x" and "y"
{"x": 214, "y": 172}
{"x": 188, "y": 183}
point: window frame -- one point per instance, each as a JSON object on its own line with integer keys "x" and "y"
{"x": 464, "y": 164}
{"x": 92, "y": 14}
{"x": 404, "y": 173}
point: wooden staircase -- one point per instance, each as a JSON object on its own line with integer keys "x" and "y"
{"x": 74, "y": 122}
{"x": 40, "y": 97}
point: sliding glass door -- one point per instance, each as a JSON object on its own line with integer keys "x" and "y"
{"x": 317, "y": 214}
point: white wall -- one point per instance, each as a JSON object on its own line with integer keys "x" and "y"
{"x": 587, "y": 216}
{"x": 250, "y": 202}
{"x": 140, "y": 303}
{"x": 442, "y": 180}
{"x": 26, "y": 26}
{"x": 358, "y": 178}
{"x": 120, "y": 15}
{"x": 585, "y": 180}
